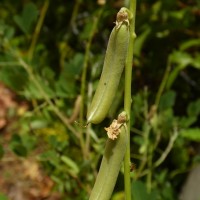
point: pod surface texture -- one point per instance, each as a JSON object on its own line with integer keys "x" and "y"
{"x": 110, "y": 77}
{"x": 110, "y": 167}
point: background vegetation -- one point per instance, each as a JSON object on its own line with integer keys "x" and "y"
{"x": 51, "y": 54}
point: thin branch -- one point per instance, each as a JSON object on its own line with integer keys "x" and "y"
{"x": 168, "y": 148}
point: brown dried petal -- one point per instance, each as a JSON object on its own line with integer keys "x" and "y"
{"x": 113, "y": 130}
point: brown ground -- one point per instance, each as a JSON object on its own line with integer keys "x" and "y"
{"x": 20, "y": 178}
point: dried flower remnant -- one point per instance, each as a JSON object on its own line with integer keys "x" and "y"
{"x": 114, "y": 129}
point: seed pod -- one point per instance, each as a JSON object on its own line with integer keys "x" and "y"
{"x": 112, "y": 69}
{"x": 110, "y": 166}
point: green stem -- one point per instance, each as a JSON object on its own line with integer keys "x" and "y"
{"x": 161, "y": 159}
{"x": 9, "y": 63}
{"x": 149, "y": 174}
{"x": 147, "y": 129}
{"x": 85, "y": 63}
{"x": 83, "y": 78}
{"x": 37, "y": 29}
{"x": 75, "y": 12}
{"x": 163, "y": 84}
{"x": 168, "y": 148}
{"x": 145, "y": 135}
{"x": 127, "y": 99}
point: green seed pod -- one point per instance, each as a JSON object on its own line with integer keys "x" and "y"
{"x": 110, "y": 166}
{"x": 112, "y": 69}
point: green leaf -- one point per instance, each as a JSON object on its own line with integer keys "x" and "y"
{"x": 56, "y": 144}
{"x": 181, "y": 158}
{"x": 172, "y": 77}
{"x": 6, "y": 30}
{"x": 194, "y": 108}
{"x": 48, "y": 74}
{"x": 19, "y": 22}
{"x": 192, "y": 134}
{"x": 70, "y": 163}
{"x": 189, "y": 43}
{"x": 38, "y": 123}
{"x": 74, "y": 66}
{"x": 118, "y": 196}
{"x": 27, "y": 17}
{"x": 138, "y": 140}
{"x": 139, "y": 42}
{"x": 139, "y": 192}
{"x": 17, "y": 146}
{"x": 19, "y": 149}
{"x": 50, "y": 156}
{"x": 196, "y": 61}
{"x": 166, "y": 121}
{"x": 32, "y": 92}
{"x": 29, "y": 141}
{"x": 179, "y": 15}
{"x": 185, "y": 122}
{"x": 66, "y": 85}
{"x": 167, "y": 100}
{"x": 137, "y": 107}
{"x": 14, "y": 77}
{"x": 181, "y": 58}
{"x": 85, "y": 34}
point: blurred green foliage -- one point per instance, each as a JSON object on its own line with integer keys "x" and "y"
{"x": 42, "y": 54}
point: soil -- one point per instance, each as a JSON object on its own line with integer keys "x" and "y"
{"x": 20, "y": 178}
